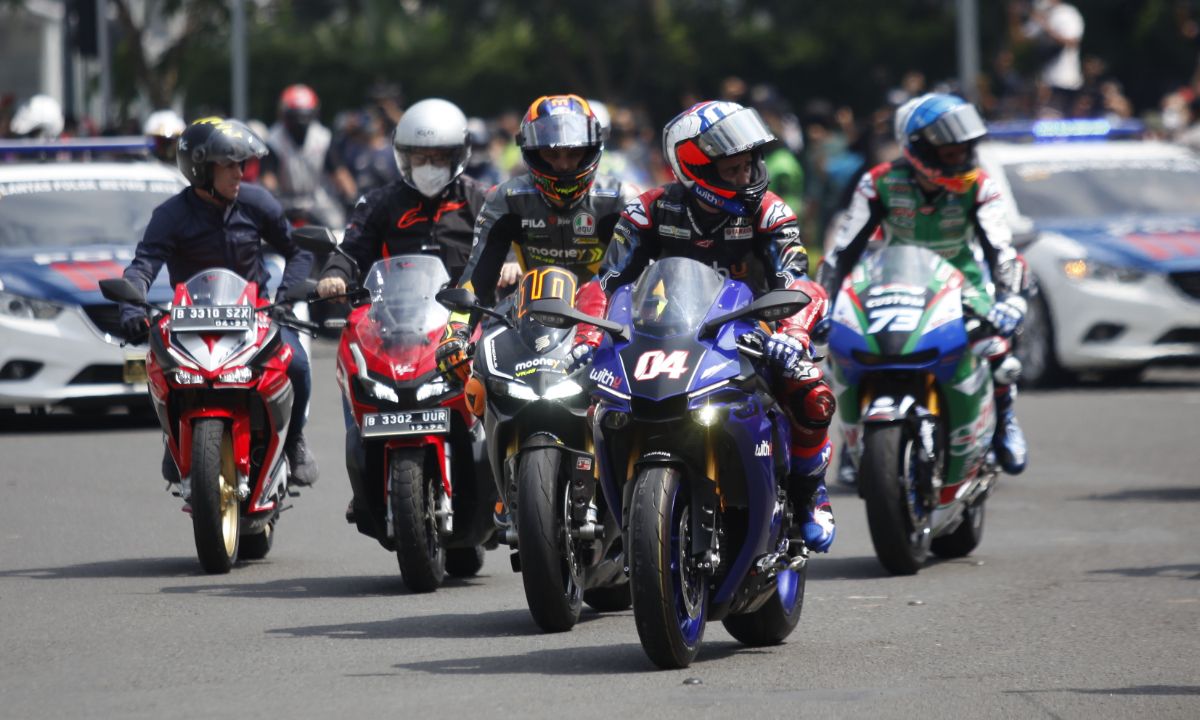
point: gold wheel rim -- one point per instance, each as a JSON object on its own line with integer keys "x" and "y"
{"x": 229, "y": 500}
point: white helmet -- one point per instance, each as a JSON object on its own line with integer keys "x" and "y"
{"x": 163, "y": 123}
{"x": 39, "y": 116}
{"x": 432, "y": 124}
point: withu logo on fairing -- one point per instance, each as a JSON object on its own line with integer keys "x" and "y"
{"x": 763, "y": 449}
{"x": 605, "y": 377}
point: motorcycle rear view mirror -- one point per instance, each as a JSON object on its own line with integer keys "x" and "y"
{"x": 557, "y": 313}
{"x": 121, "y": 290}
{"x": 315, "y": 238}
{"x": 774, "y": 305}
{"x": 458, "y": 299}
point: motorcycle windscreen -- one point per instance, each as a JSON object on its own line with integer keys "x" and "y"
{"x": 402, "y": 290}
{"x": 673, "y": 297}
{"x": 216, "y": 286}
{"x": 900, "y": 283}
{"x": 218, "y": 320}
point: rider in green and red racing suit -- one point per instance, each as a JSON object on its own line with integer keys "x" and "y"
{"x": 936, "y": 197}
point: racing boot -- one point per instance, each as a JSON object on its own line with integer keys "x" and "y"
{"x": 302, "y": 466}
{"x": 847, "y": 475}
{"x": 1009, "y": 441}
{"x": 170, "y": 473}
{"x": 812, "y": 518}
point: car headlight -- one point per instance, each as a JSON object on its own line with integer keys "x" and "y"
{"x": 19, "y": 306}
{"x": 187, "y": 377}
{"x": 434, "y": 388}
{"x": 1084, "y": 269}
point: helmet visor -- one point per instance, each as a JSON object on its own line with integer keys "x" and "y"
{"x": 565, "y": 130}
{"x": 958, "y": 125}
{"x": 742, "y": 131}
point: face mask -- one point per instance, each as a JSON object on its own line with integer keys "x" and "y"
{"x": 430, "y": 179}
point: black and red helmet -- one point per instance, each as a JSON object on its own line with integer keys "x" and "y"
{"x": 561, "y": 121}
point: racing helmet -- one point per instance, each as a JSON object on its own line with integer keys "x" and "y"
{"x": 298, "y": 106}
{"x": 934, "y": 120}
{"x": 163, "y": 128}
{"x": 213, "y": 140}
{"x": 561, "y": 121}
{"x": 432, "y": 124}
{"x": 697, "y": 137}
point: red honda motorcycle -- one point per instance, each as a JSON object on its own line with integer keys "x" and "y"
{"x": 217, "y": 372}
{"x": 414, "y": 451}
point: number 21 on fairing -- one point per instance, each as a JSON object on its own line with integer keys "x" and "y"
{"x": 655, "y": 362}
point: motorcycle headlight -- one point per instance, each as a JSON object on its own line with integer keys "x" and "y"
{"x": 706, "y": 415}
{"x": 519, "y": 391}
{"x": 434, "y": 388}
{"x": 187, "y": 377}
{"x": 1085, "y": 269}
{"x": 19, "y": 306}
{"x": 379, "y": 391}
{"x": 237, "y": 375}
{"x": 564, "y": 389}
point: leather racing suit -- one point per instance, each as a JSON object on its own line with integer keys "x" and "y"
{"x": 764, "y": 251}
{"x": 397, "y": 219}
{"x": 968, "y": 230}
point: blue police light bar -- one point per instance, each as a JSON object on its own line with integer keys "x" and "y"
{"x": 129, "y": 145}
{"x": 1069, "y": 129}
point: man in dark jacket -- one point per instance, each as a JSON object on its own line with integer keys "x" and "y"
{"x": 217, "y": 222}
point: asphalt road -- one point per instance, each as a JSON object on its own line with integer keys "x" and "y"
{"x": 1083, "y": 600}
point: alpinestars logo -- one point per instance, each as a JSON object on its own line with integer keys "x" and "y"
{"x": 762, "y": 449}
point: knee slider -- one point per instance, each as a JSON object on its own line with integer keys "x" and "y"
{"x": 1007, "y": 371}
{"x": 813, "y": 406}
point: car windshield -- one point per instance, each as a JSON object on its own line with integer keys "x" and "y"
{"x": 1097, "y": 188}
{"x": 37, "y": 213}
{"x": 402, "y": 295}
{"x": 673, "y": 296}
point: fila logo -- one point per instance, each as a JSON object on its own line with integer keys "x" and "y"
{"x": 763, "y": 449}
{"x": 655, "y": 362}
{"x": 535, "y": 223}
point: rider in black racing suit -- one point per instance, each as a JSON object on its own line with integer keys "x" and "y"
{"x": 560, "y": 213}
{"x": 432, "y": 208}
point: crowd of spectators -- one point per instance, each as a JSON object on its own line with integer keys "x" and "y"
{"x": 823, "y": 145}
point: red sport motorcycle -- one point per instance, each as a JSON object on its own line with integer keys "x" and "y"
{"x": 414, "y": 451}
{"x": 217, "y": 373}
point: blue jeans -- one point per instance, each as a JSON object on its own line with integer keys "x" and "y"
{"x": 300, "y": 373}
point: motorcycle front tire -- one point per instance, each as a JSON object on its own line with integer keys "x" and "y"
{"x": 216, "y": 523}
{"x": 551, "y": 587}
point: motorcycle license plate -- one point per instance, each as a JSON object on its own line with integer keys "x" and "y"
{"x": 134, "y": 370}
{"x": 414, "y": 422}
{"x": 193, "y": 318}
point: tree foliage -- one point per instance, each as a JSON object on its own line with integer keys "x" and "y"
{"x": 493, "y": 55}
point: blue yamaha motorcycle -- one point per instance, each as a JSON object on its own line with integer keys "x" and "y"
{"x": 692, "y": 451}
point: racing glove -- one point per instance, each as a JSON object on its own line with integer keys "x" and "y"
{"x": 1007, "y": 313}
{"x": 784, "y": 350}
{"x": 453, "y": 359}
{"x": 136, "y": 328}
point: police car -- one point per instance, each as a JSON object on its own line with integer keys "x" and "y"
{"x": 68, "y": 219}
{"x": 1110, "y": 228}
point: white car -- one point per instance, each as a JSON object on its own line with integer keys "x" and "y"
{"x": 66, "y": 224}
{"x": 1111, "y": 232}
